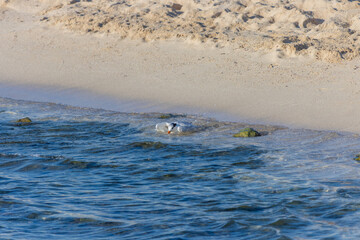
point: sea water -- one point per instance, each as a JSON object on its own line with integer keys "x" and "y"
{"x": 83, "y": 173}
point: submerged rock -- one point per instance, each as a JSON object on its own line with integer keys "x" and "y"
{"x": 24, "y": 120}
{"x": 148, "y": 144}
{"x": 247, "y": 132}
{"x": 166, "y": 116}
{"x": 170, "y": 115}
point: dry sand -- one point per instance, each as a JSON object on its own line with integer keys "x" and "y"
{"x": 293, "y": 64}
{"x": 324, "y": 29}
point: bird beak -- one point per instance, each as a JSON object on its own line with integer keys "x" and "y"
{"x": 169, "y": 132}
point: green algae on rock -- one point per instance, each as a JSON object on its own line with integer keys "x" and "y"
{"x": 247, "y": 132}
{"x": 166, "y": 116}
{"x": 24, "y": 120}
{"x": 357, "y": 157}
{"x": 170, "y": 115}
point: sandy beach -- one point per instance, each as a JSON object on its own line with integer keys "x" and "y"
{"x": 269, "y": 62}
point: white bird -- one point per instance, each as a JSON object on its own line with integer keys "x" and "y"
{"x": 175, "y": 127}
{"x": 167, "y": 127}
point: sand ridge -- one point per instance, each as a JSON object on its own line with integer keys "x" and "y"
{"x": 324, "y": 29}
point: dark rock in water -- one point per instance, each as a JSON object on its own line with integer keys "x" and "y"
{"x": 357, "y": 157}
{"x": 24, "y": 120}
{"x": 247, "y": 132}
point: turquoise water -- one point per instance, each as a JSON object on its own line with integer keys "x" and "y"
{"x": 82, "y": 173}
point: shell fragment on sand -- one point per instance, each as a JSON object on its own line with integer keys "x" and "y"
{"x": 176, "y": 7}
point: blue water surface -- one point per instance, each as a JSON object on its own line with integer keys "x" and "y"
{"x": 82, "y": 173}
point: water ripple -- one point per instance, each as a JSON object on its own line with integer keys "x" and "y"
{"x": 85, "y": 173}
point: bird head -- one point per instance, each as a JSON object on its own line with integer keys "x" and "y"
{"x": 171, "y": 127}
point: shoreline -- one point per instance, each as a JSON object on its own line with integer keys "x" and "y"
{"x": 79, "y": 98}
{"x": 256, "y": 87}
{"x": 85, "y": 99}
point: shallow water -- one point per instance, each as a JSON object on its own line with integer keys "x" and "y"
{"x": 78, "y": 173}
